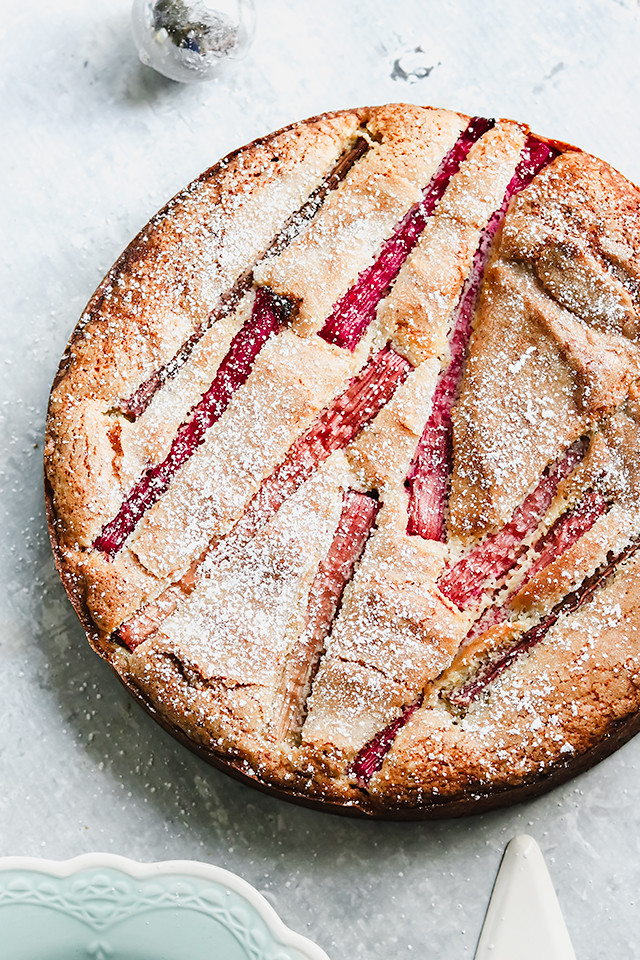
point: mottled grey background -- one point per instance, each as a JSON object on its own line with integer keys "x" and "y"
{"x": 92, "y": 145}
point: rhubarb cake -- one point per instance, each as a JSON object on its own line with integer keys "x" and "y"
{"x": 342, "y": 462}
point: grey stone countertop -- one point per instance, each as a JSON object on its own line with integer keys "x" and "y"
{"x": 93, "y": 144}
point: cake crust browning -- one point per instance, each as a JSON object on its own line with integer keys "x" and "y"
{"x": 553, "y": 360}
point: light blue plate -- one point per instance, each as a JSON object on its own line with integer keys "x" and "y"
{"x": 102, "y": 907}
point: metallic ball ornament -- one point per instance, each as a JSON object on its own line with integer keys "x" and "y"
{"x": 188, "y": 40}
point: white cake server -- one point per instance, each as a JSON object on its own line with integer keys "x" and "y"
{"x": 523, "y": 919}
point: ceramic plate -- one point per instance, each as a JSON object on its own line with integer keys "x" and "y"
{"x": 103, "y": 907}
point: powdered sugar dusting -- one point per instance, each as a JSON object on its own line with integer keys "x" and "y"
{"x": 251, "y": 515}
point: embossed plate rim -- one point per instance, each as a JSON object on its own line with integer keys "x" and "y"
{"x": 157, "y": 870}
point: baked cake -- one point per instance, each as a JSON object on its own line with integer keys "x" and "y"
{"x": 342, "y": 462}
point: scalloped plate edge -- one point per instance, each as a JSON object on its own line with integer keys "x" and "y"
{"x": 192, "y": 868}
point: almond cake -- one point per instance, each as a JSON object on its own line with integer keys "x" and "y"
{"x": 342, "y": 463}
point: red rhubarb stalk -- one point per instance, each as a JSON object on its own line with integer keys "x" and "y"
{"x": 358, "y": 516}
{"x": 566, "y": 531}
{"x": 354, "y": 312}
{"x": 428, "y": 478}
{"x": 503, "y": 659}
{"x": 498, "y": 553}
{"x": 332, "y": 430}
{"x": 491, "y": 617}
{"x": 371, "y": 757}
{"x": 135, "y": 405}
{"x": 266, "y": 319}
{"x": 146, "y": 621}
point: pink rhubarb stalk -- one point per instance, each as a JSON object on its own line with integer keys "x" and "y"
{"x": 428, "y": 479}
{"x": 266, "y": 319}
{"x": 135, "y": 405}
{"x": 503, "y": 659}
{"x": 332, "y": 430}
{"x": 371, "y": 757}
{"x": 492, "y": 559}
{"x": 358, "y": 516}
{"x": 566, "y": 531}
{"x": 354, "y": 312}
{"x": 146, "y": 621}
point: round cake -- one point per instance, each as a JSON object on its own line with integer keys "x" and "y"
{"x": 342, "y": 466}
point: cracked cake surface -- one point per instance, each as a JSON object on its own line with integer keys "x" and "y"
{"x": 342, "y": 466}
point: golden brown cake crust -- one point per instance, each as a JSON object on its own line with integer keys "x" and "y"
{"x": 553, "y": 367}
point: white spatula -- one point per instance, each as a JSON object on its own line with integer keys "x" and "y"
{"x": 523, "y": 919}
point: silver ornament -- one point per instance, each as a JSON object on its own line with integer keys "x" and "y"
{"x": 188, "y": 40}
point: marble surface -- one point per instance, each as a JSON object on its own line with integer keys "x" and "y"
{"x": 93, "y": 144}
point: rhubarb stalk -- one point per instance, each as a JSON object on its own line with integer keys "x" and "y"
{"x": 498, "y": 553}
{"x": 371, "y": 757}
{"x": 352, "y": 314}
{"x": 332, "y": 430}
{"x": 504, "y": 658}
{"x": 135, "y": 405}
{"x": 269, "y": 312}
{"x": 358, "y": 516}
{"x": 428, "y": 478}
{"x": 566, "y": 531}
